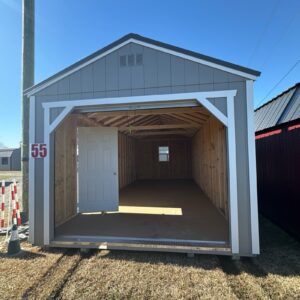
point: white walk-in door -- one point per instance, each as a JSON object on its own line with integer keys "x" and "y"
{"x": 98, "y": 187}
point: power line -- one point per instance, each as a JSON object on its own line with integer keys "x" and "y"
{"x": 281, "y": 37}
{"x": 276, "y": 85}
{"x": 264, "y": 31}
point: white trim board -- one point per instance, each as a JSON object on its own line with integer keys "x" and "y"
{"x": 252, "y": 168}
{"x": 201, "y": 97}
{"x": 31, "y": 177}
{"x": 149, "y": 45}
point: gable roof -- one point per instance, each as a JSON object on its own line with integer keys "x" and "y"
{"x": 132, "y": 37}
{"x": 282, "y": 109}
{"x": 7, "y": 152}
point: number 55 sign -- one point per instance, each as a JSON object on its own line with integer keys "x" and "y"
{"x": 38, "y": 150}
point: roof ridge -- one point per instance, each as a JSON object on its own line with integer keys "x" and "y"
{"x": 282, "y": 93}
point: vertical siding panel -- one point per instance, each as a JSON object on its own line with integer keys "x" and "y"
{"x": 191, "y": 74}
{"x": 220, "y": 76}
{"x": 87, "y": 79}
{"x": 111, "y": 71}
{"x": 206, "y": 74}
{"x": 75, "y": 83}
{"x": 164, "y": 69}
{"x": 150, "y": 68}
{"x": 243, "y": 188}
{"x": 137, "y": 71}
{"x": 64, "y": 86}
{"x": 124, "y": 71}
{"x": 177, "y": 71}
{"x": 99, "y": 75}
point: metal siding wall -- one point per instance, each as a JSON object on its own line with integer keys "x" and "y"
{"x": 278, "y": 162}
{"x": 160, "y": 74}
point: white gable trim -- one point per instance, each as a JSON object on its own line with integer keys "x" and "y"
{"x": 149, "y": 45}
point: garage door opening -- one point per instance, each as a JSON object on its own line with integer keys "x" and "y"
{"x": 149, "y": 175}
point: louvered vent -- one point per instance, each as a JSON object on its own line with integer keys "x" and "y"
{"x": 123, "y": 60}
{"x": 131, "y": 60}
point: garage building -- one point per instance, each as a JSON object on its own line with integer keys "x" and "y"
{"x": 145, "y": 146}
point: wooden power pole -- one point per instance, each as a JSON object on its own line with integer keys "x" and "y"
{"x": 27, "y": 81}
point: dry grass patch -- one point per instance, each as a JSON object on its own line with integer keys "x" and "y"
{"x": 10, "y": 175}
{"x": 18, "y": 274}
{"x": 280, "y": 260}
{"x": 124, "y": 275}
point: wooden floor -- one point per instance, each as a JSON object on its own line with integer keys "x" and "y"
{"x": 194, "y": 218}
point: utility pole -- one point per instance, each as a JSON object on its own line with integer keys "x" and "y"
{"x": 27, "y": 81}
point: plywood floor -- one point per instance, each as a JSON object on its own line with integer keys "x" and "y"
{"x": 189, "y": 215}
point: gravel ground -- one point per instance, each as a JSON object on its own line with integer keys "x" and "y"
{"x": 68, "y": 274}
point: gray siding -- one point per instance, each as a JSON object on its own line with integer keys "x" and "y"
{"x": 160, "y": 73}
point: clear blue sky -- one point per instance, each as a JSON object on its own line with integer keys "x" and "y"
{"x": 260, "y": 34}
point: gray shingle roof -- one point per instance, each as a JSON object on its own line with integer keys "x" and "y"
{"x": 281, "y": 109}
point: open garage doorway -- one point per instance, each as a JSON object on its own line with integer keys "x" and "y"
{"x": 151, "y": 175}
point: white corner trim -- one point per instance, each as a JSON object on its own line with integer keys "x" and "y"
{"x": 201, "y": 97}
{"x": 60, "y": 118}
{"x": 31, "y": 181}
{"x": 233, "y": 205}
{"x": 148, "y": 45}
{"x": 252, "y": 168}
{"x": 47, "y": 178}
{"x": 216, "y": 112}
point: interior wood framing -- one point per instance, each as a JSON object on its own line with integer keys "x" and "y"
{"x": 196, "y": 139}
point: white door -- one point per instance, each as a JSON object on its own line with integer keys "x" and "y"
{"x": 98, "y": 186}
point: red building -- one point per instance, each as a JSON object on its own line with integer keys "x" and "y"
{"x": 277, "y": 126}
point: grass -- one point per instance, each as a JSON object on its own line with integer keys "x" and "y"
{"x": 10, "y": 174}
{"x": 67, "y": 274}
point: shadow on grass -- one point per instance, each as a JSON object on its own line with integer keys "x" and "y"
{"x": 279, "y": 255}
{"x": 23, "y": 255}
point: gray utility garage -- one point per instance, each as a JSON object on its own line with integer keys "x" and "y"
{"x": 144, "y": 146}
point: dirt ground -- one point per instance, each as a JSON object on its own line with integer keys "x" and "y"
{"x": 68, "y": 274}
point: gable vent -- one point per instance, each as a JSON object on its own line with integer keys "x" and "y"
{"x": 131, "y": 60}
{"x": 123, "y": 60}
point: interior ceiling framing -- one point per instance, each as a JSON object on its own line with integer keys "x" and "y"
{"x": 151, "y": 122}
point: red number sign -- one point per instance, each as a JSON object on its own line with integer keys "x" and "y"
{"x": 38, "y": 150}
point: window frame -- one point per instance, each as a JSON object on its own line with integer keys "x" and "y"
{"x": 165, "y": 154}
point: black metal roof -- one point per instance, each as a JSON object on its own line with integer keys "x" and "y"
{"x": 282, "y": 109}
{"x": 153, "y": 42}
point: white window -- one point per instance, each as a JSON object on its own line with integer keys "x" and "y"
{"x": 163, "y": 153}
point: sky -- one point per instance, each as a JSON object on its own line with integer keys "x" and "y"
{"x": 259, "y": 34}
